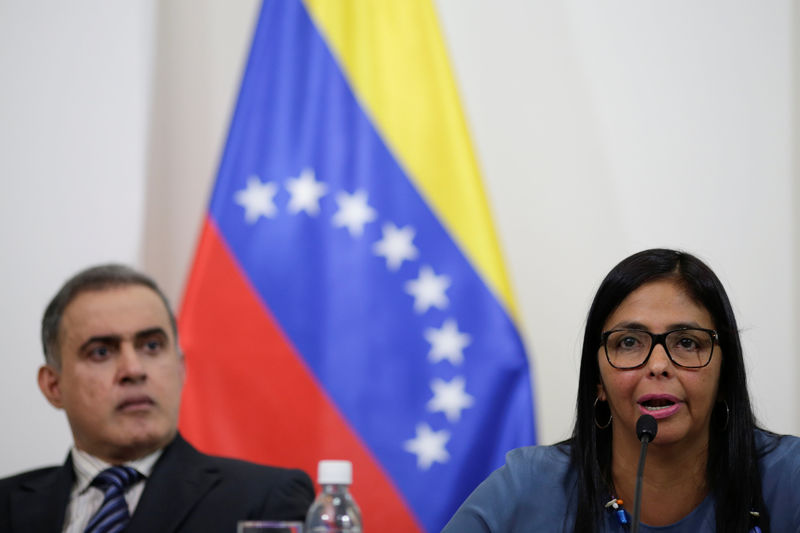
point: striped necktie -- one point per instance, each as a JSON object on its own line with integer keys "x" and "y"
{"x": 113, "y": 516}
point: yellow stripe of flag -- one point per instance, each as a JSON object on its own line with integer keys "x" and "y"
{"x": 393, "y": 54}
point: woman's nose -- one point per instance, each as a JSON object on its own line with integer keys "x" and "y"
{"x": 659, "y": 362}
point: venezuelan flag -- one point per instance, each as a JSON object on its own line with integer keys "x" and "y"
{"x": 347, "y": 298}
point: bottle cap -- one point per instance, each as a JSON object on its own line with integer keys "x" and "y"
{"x": 335, "y": 472}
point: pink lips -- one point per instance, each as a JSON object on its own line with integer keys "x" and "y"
{"x": 135, "y": 403}
{"x": 661, "y": 405}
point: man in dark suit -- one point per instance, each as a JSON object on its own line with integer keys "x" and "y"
{"x": 114, "y": 366}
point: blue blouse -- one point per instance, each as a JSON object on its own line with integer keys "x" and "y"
{"x": 535, "y": 491}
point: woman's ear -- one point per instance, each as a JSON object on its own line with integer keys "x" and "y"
{"x": 601, "y": 393}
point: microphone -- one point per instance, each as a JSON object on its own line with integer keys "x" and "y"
{"x": 646, "y": 429}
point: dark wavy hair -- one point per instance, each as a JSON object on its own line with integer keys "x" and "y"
{"x": 732, "y": 469}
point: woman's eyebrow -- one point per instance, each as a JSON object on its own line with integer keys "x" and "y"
{"x": 630, "y": 325}
{"x": 638, "y": 325}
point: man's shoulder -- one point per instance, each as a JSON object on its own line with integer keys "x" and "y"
{"x": 229, "y": 489}
{"x": 29, "y": 478}
{"x": 33, "y": 495}
{"x": 241, "y": 473}
{"x": 238, "y": 468}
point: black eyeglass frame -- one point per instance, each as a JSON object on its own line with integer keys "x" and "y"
{"x": 658, "y": 338}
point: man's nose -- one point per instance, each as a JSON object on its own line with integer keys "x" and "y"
{"x": 129, "y": 364}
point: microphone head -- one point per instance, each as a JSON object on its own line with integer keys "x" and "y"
{"x": 646, "y": 427}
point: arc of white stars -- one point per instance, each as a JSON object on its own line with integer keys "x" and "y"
{"x": 428, "y": 290}
{"x": 354, "y": 212}
{"x": 447, "y": 342}
{"x": 450, "y": 398}
{"x": 257, "y": 198}
{"x": 305, "y": 193}
{"x": 396, "y": 245}
{"x": 429, "y": 446}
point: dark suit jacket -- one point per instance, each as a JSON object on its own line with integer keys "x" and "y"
{"x": 187, "y": 492}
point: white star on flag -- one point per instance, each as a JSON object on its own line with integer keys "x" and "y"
{"x": 428, "y": 290}
{"x": 428, "y": 445}
{"x": 257, "y": 199}
{"x": 353, "y": 212}
{"x": 447, "y": 342}
{"x": 450, "y": 398}
{"x": 396, "y": 245}
{"x": 305, "y": 192}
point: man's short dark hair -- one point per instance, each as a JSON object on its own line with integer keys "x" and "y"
{"x": 95, "y": 278}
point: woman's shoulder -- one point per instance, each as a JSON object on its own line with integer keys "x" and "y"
{"x": 531, "y": 488}
{"x": 779, "y": 459}
{"x": 534, "y": 467}
{"x": 777, "y": 450}
{"x": 554, "y": 457}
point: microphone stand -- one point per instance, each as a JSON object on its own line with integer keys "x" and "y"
{"x": 646, "y": 428}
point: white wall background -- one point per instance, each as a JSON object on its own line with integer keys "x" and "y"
{"x": 602, "y": 129}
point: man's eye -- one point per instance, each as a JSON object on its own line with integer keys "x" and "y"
{"x": 99, "y": 352}
{"x": 154, "y": 345}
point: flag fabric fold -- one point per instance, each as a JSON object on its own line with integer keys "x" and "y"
{"x": 347, "y": 298}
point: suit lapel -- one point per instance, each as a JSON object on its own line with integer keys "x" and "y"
{"x": 180, "y": 478}
{"x": 40, "y": 504}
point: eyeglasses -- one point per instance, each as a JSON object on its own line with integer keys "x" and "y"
{"x": 686, "y": 347}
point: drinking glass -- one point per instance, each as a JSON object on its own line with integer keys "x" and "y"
{"x": 268, "y": 526}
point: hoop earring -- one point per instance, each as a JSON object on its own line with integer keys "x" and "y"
{"x": 594, "y": 416}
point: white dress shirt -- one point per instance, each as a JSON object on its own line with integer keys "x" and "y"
{"x": 85, "y": 500}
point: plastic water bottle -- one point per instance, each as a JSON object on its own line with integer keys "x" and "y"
{"x": 334, "y": 510}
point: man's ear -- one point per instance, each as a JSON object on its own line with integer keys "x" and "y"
{"x": 50, "y": 384}
{"x": 182, "y": 362}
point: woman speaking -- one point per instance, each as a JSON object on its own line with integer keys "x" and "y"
{"x": 660, "y": 339}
